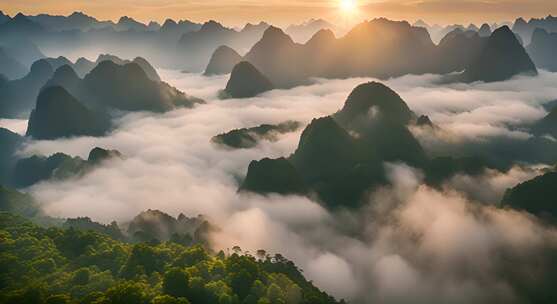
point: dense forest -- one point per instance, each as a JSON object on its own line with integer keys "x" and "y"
{"x": 55, "y": 265}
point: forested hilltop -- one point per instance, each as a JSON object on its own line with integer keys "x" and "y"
{"x": 55, "y": 265}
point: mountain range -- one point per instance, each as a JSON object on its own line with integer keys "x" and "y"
{"x": 542, "y": 49}
{"x": 381, "y": 48}
{"x": 110, "y": 82}
{"x": 526, "y": 29}
{"x": 370, "y": 129}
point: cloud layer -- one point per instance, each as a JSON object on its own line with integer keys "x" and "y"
{"x": 410, "y": 243}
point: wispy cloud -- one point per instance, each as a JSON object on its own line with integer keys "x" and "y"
{"x": 409, "y": 243}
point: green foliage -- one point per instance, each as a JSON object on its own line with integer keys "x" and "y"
{"x": 175, "y": 282}
{"x": 59, "y": 266}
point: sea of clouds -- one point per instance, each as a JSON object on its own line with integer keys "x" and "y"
{"x": 410, "y": 243}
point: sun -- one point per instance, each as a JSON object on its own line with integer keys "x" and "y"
{"x": 348, "y": 5}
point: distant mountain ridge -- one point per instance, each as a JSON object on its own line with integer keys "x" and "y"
{"x": 397, "y": 49}
{"x": 502, "y": 58}
{"x": 200, "y": 45}
{"x": 526, "y": 29}
{"x": 131, "y": 86}
{"x": 543, "y": 48}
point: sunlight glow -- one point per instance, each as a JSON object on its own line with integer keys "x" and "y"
{"x": 348, "y": 5}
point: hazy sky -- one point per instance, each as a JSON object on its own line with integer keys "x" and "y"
{"x": 237, "y": 12}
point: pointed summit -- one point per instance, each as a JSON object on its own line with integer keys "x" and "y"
{"x": 21, "y": 24}
{"x": 223, "y": 61}
{"x": 261, "y": 26}
{"x": 147, "y": 68}
{"x": 275, "y": 36}
{"x": 4, "y": 18}
{"x": 374, "y": 100}
{"x": 485, "y": 30}
{"x": 502, "y": 58}
{"x": 41, "y": 67}
{"x": 58, "y": 114}
{"x": 322, "y": 38}
{"x": 246, "y": 81}
{"x": 66, "y": 77}
{"x": 211, "y": 26}
{"x": 127, "y": 87}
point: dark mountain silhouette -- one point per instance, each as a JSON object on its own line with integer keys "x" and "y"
{"x": 374, "y": 100}
{"x": 4, "y": 18}
{"x": 246, "y": 81}
{"x": 222, "y": 61}
{"x": 199, "y": 45}
{"x": 543, "y": 48}
{"x": 129, "y": 24}
{"x": 526, "y": 29}
{"x": 127, "y": 87}
{"x": 124, "y": 87}
{"x": 58, "y": 114}
{"x": 485, "y": 30}
{"x": 98, "y": 155}
{"x": 10, "y": 143}
{"x": 380, "y": 118}
{"x": 324, "y": 134}
{"x": 109, "y": 57}
{"x": 144, "y": 64}
{"x": 173, "y": 31}
{"x": 59, "y": 166}
{"x": 424, "y": 121}
{"x": 397, "y": 48}
{"x": 247, "y": 138}
{"x": 65, "y": 77}
{"x": 502, "y": 58}
{"x": 472, "y": 27}
{"x": 340, "y": 158}
{"x": 31, "y": 170}
{"x": 17, "y": 97}
{"x": 10, "y": 67}
{"x": 20, "y": 26}
{"x": 458, "y": 49}
{"x": 153, "y": 26}
{"x": 273, "y": 176}
{"x": 277, "y": 56}
{"x": 147, "y": 68}
{"x": 536, "y": 196}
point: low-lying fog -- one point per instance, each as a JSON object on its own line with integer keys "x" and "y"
{"x": 411, "y": 244}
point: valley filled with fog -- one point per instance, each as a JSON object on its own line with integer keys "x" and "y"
{"x": 397, "y": 247}
{"x": 191, "y": 162}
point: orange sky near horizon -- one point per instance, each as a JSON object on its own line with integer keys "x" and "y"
{"x": 283, "y": 12}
